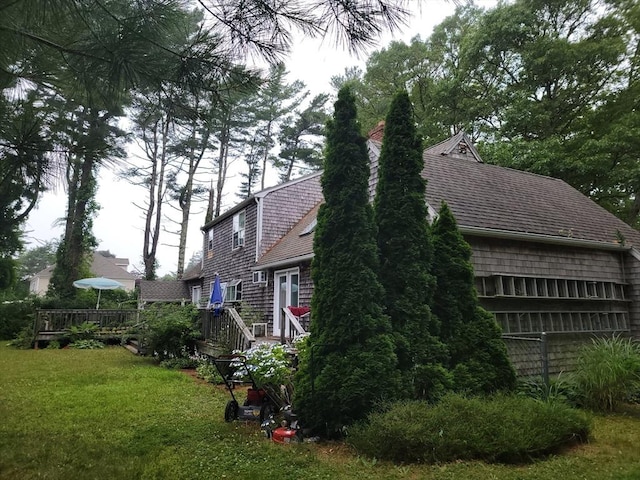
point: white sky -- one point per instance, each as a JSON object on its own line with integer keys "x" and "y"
{"x": 118, "y": 225}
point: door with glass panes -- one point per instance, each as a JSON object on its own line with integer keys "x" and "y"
{"x": 286, "y": 283}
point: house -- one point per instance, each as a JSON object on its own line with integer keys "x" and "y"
{"x": 101, "y": 266}
{"x": 235, "y": 241}
{"x": 546, "y": 258}
{"x": 186, "y": 290}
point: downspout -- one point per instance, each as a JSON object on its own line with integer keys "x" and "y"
{"x": 259, "y": 208}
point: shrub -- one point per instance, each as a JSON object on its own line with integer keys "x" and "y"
{"x": 84, "y": 331}
{"x": 498, "y": 429}
{"x": 177, "y": 363}
{"x": 16, "y": 315}
{"x": 268, "y": 364}
{"x": 608, "y": 372}
{"x": 87, "y": 344}
{"x": 24, "y": 339}
{"x": 171, "y": 330}
{"x": 560, "y": 388}
{"x": 208, "y": 372}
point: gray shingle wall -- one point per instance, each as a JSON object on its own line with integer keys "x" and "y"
{"x": 633, "y": 293}
{"x": 284, "y": 207}
{"x": 296, "y": 200}
{"x": 233, "y": 263}
{"x": 492, "y": 256}
{"x": 305, "y": 291}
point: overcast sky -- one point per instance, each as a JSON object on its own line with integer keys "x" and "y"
{"x": 118, "y": 224}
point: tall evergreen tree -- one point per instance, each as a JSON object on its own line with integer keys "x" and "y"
{"x": 351, "y": 341}
{"x": 478, "y": 355}
{"x": 405, "y": 252}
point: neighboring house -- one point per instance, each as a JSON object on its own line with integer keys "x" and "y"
{"x": 101, "y": 266}
{"x": 546, "y": 258}
{"x": 186, "y": 290}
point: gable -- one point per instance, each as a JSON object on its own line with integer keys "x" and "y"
{"x": 489, "y": 200}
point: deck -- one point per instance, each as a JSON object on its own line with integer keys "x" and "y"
{"x": 54, "y": 324}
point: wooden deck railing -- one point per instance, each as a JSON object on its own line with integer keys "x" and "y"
{"x": 59, "y": 320}
{"x": 293, "y": 326}
{"x": 227, "y": 329}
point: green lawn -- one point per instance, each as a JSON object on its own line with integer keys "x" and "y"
{"x": 107, "y": 414}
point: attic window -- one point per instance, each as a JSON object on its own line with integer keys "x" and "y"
{"x": 309, "y": 228}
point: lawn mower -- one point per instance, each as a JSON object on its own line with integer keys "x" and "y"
{"x": 257, "y": 406}
{"x": 288, "y": 432}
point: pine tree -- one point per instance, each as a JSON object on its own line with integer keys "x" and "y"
{"x": 352, "y": 365}
{"x": 405, "y": 252}
{"x": 478, "y": 356}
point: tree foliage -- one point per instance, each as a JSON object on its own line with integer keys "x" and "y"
{"x": 478, "y": 355}
{"x": 301, "y": 139}
{"x": 351, "y": 342}
{"x": 544, "y": 86}
{"x": 405, "y": 251}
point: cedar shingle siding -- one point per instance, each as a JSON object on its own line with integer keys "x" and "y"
{"x": 546, "y": 257}
{"x": 282, "y": 208}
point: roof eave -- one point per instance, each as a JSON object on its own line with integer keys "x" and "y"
{"x": 244, "y": 204}
{"x": 541, "y": 238}
{"x": 283, "y": 263}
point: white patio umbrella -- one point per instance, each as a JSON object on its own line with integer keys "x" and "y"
{"x": 99, "y": 283}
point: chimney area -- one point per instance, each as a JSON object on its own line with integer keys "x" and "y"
{"x": 377, "y": 132}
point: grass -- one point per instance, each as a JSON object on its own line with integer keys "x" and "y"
{"x": 106, "y": 414}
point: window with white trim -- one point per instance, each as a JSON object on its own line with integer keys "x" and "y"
{"x": 210, "y": 239}
{"x": 196, "y": 294}
{"x": 232, "y": 291}
{"x": 238, "y": 229}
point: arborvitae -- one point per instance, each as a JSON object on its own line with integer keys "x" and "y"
{"x": 478, "y": 356}
{"x": 405, "y": 253}
{"x": 351, "y": 366}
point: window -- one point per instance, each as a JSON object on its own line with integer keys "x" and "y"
{"x": 232, "y": 291}
{"x": 238, "y": 229}
{"x": 210, "y": 239}
{"x": 196, "y": 294}
{"x": 563, "y": 321}
{"x": 310, "y": 228}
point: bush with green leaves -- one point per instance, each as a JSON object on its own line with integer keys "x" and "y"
{"x": 208, "y": 372}
{"x": 178, "y": 363}
{"x": 608, "y": 372}
{"x": 84, "y": 331}
{"x": 560, "y": 388}
{"x": 353, "y": 364}
{"x": 16, "y": 315}
{"x": 171, "y": 330}
{"x": 87, "y": 344}
{"x": 268, "y": 364}
{"x": 503, "y": 428}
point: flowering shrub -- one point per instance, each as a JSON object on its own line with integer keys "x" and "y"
{"x": 268, "y": 364}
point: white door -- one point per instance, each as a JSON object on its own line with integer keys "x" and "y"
{"x": 285, "y": 295}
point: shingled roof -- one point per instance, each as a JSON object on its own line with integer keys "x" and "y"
{"x": 491, "y": 197}
{"x": 163, "y": 291}
{"x": 490, "y": 200}
{"x": 101, "y": 266}
{"x": 294, "y": 246}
